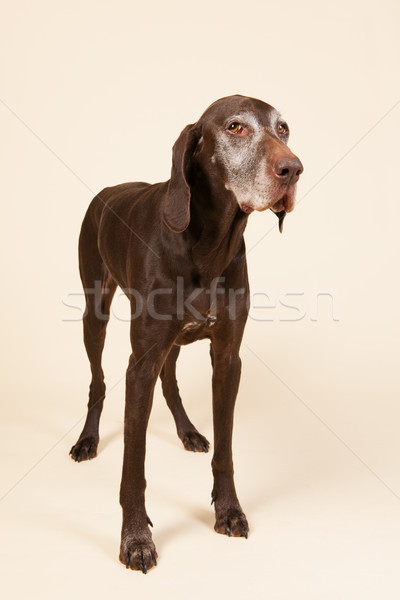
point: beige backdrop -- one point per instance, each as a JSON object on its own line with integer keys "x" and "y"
{"x": 94, "y": 93}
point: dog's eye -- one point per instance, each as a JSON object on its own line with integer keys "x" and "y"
{"x": 235, "y": 128}
{"x": 283, "y": 129}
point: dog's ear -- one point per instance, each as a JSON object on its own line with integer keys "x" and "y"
{"x": 281, "y": 215}
{"x": 176, "y": 212}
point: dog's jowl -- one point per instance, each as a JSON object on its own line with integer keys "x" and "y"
{"x": 177, "y": 251}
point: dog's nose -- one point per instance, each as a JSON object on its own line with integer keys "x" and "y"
{"x": 288, "y": 169}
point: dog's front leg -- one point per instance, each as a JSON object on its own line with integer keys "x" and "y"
{"x": 230, "y": 518}
{"x": 138, "y": 551}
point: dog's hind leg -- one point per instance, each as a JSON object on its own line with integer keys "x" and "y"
{"x": 190, "y": 437}
{"x": 99, "y": 289}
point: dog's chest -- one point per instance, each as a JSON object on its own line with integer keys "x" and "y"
{"x": 195, "y": 330}
{"x": 199, "y": 312}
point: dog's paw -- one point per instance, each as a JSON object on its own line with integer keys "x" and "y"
{"x": 138, "y": 555}
{"x": 84, "y": 449}
{"x": 232, "y": 522}
{"x": 194, "y": 441}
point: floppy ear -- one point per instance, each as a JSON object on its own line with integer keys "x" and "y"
{"x": 281, "y": 215}
{"x": 176, "y": 212}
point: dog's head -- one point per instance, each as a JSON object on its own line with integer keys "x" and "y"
{"x": 240, "y": 145}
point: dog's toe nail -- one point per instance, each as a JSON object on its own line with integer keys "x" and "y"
{"x": 153, "y": 556}
{"x": 245, "y": 533}
{"x": 228, "y": 531}
{"x": 149, "y": 522}
{"x": 142, "y": 564}
{"x": 205, "y": 448}
{"x": 128, "y": 560}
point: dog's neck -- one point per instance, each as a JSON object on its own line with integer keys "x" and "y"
{"x": 216, "y": 228}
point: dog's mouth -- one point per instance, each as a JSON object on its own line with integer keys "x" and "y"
{"x": 284, "y": 205}
{"x": 286, "y": 202}
{"x": 280, "y": 207}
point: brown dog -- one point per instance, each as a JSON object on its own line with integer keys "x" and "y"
{"x": 177, "y": 250}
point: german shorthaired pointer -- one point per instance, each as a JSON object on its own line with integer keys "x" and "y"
{"x": 177, "y": 251}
